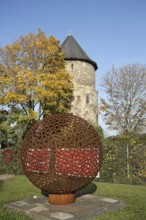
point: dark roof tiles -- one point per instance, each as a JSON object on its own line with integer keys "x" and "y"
{"x": 73, "y": 51}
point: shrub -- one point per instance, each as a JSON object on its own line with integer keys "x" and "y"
{"x": 124, "y": 160}
{"x": 10, "y": 162}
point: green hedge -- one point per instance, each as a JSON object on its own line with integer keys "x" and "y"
{"x": 124, "y": 159}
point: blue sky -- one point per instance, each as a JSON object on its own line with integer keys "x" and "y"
{"x": 110, "y": 31}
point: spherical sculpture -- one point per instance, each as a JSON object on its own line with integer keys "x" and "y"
{"x": 61, "y": 153}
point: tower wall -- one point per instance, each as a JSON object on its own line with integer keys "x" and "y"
{"x": 85, "y": 95}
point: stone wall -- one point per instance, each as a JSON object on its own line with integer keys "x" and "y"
{"x": 83, "y": 73}
{"x": 85, "y": 96}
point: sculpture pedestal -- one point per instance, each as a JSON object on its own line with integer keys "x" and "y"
{"x": 61, "y": 199}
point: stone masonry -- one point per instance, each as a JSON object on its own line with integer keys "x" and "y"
{"x": 85, "y": 95}
{"x": 82, "y": 69}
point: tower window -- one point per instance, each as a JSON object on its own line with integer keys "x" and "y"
{"x": 72, "y": 66}
{"x": 87, "y": 98}
{"x": 78, "y": 98}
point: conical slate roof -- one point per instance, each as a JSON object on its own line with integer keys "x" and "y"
{"x": 73, "y": 51}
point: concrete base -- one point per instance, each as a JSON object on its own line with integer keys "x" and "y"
{"x": 85, "y": 208}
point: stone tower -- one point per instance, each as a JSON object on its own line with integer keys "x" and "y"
{"x": 82, "y": 69}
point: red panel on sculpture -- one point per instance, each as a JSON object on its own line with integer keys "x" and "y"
{"x": 78, "y": 162}
{"x": 38, "y": 160}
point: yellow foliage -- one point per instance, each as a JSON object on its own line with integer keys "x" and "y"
{"x": 104, "y": 105}
{"x": 33, "y": 74}
{"x": 32, "y": 115}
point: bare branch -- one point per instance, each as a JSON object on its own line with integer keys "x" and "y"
{"x": 126, "y": 98}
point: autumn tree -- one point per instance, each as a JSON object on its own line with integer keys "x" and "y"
{"x": 33, "y": 79}
{"x": 124, "y": 108}
{"x": 5, "y": 129}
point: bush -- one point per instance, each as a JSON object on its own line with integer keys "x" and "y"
{"x": 124, "y": 160}
{"x": 10, "y": 162}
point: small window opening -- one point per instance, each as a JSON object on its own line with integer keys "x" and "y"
{"x": 72, "y": 66}
{"x": 87, "y": 98}
{"x": 78, "y": 98}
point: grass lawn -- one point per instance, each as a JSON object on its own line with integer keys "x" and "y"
{"x": 134, "y": 196}
{"x": 17, "y": 188}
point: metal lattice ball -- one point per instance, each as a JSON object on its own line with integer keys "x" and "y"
{"x": 61, "y": 153}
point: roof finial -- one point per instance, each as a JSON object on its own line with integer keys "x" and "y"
{"x": 69, "y": 34}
